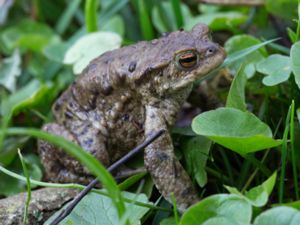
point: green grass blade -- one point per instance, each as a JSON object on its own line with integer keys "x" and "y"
{"x": 111, "y": 10}
{"x": 164, "y": 15}
{"x": 37, "y": 5}
{"x": 4, "y": 124}
{"x": 284, "y": 157}
{"x": 280, "y": 48}
{"x": 217, "y": 174}
{"x": 25, "y": 170}
{"x": 40, "y": 183}
{"x": 298, "y": 22}
{"x": 259, "y": 166}
{"x": 244, "y": 174}
{"x": 91, "y": 15}
{"x": 145, "y": 22}
{"x": 65, "y": 19}
{"x": 227, "y": 165}
{"x": 94, "y": 166}
{"x": 240, "y": 54}
{"x": 177, "y": 12}
{"x": 131, "y": 180}
{"x": 292, "y": 139}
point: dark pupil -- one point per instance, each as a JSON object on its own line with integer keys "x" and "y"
{"x": 188, "y": 60}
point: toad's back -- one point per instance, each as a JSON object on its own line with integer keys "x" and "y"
{"x": 117, "y": 116}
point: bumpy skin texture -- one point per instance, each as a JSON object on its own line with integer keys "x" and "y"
{"x": 123, "y": 96}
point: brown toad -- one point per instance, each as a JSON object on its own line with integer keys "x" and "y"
{"x": 123, "y": 96}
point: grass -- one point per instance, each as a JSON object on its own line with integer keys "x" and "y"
{"x": 25, "y": 170}
{"x": 293, "y": 151}
{"x": 144, "y": 19}
{"x": 178, "y": 14}
{"x": 91, "y": 15}
{"x": 284, "y": 158}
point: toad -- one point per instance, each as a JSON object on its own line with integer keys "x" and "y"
{"x": 123, "y": 96}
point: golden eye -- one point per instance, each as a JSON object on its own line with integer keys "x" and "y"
{"x": 187, "y": 59}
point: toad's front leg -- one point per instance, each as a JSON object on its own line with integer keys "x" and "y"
{"x": 165, "y": 169}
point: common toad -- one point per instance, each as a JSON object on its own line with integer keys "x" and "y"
{"x": 123, "y": 96}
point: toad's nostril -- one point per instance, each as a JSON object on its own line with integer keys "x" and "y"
{"x": 211, "y": 50}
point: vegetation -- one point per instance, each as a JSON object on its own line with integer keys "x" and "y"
{"x": 244, "y": 157}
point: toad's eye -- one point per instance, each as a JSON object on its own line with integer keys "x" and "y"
{"x": 187, "y": 59}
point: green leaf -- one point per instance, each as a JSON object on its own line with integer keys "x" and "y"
{"x": 236, "y": 95}
{"x": 281, "y": 7}
{"x": 292, "y": 35}
{"x": 168, "y": 221}
{"x": 222, "y": 207}
{"x": 186, "y": 131}
{"x": 9, "y": 149}
{"x": 269, "y": 184}
{"x": 115, "y": 24}
{"x": 295, "y": 57}
{"x": 239, "y": 42}
{"x": 279, "y": 216}
{"x": 28, "y": 34}
{"x": 95, "y": 209}
{"x": 131, "y": 180}
{"x": 10, "y": 70}
{"x": 196, "y": 151}
{"x": 295, "y": 205}
{"x": 277, "y": 67}
{"x": 217, "y": 20}
{"x": 9, "y": 185}
{"x": 239, "y": 131}
{"x": 89, "y": 47}
{"x": 220, "y": 220}
{"x": 257, "y": 196}
{"x": 56, "y": 51}
{"x": 4, "y": 9}
{"x": 32, "y": 94}
{"x": 206, "y": 9}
